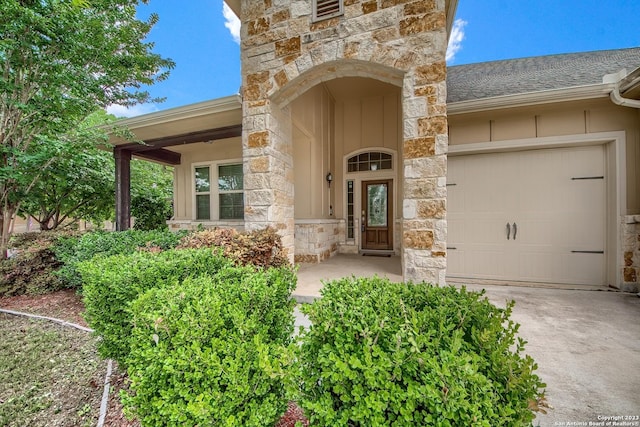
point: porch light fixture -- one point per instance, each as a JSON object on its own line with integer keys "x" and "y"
{"x": 329, "y": 179}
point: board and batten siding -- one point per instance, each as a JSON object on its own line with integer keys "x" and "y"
{"x": 312, "y": 117}
{"x": 559, "y": 119}
{"x": 371, "y": 122}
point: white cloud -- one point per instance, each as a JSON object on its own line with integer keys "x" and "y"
{"x": 455, "y": 40}
{"x": 136, "y": 110}
{"x": 232, "y": 22}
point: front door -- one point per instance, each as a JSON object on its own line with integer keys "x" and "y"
{"x": 377, "y": 215}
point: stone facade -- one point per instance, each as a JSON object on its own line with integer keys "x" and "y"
{"x": 318, "y": 240}
{"x": 631, "y": 253}
{"x": 284, "y": 54}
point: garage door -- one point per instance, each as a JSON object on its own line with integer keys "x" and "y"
{"x": 535, "y": 216}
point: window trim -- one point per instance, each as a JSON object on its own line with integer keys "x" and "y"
{"x": 214, "y": 191}
{"x": 315, "y": 17}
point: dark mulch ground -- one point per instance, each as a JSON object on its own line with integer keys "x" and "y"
{"x": 66, "y": 305}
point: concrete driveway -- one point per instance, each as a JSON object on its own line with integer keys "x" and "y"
{"x": 586, "y": 342}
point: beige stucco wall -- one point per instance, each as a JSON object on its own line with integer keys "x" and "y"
{"x": 568, "y": 118}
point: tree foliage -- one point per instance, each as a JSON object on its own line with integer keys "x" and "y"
{"x": 151, "y": 194}
{"x": 78, "y": 183}
{"x": 61, "y": 60}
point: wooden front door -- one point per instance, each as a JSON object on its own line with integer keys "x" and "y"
{"x": 377, "y": 215}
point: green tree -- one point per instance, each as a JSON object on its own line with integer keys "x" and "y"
{"x": 60, "y": 61}
{"x": 78, "y": 183}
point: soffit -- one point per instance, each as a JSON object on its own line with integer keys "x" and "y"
{"x": 234, "y": 5}
{"x": 630, "y": 85}
{"x": 215, "y": 114}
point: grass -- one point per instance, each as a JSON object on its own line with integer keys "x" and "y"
{"x": 49, "y": 375}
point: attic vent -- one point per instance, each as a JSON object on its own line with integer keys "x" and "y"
{"x": 325, "y": 9}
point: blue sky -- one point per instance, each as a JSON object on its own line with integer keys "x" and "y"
{"x": 201, "y": 37}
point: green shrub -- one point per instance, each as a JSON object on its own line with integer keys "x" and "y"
{"x": 74, "y": 250}
{"x": 111, "y": 284}
{"x": 151, "y": 210}
{"x": 382, "y": 354}
{"x": 212, "y": 351}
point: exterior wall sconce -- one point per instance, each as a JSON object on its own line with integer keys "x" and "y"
{"x": 329, "y": 179}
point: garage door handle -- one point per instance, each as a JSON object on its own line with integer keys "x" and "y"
{"x": 515, "y": 230}
{"x": 508, "y": 231}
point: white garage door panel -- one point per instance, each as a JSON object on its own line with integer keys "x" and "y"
{"x": 555, "y": 198}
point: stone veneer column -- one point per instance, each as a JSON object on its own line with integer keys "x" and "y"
{"x": 268, "y": 170}
{"x": 424, "y": 225}
{"x": 284, "y": 54}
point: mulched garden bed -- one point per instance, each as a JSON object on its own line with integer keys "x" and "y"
{"x": 67, "y": 305}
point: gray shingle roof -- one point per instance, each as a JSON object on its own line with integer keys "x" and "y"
{"x": 535, "y": 74}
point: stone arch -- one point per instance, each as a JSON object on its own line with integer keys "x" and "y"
{"x": 285, "y": 54}
{"x": 286, "y": 89}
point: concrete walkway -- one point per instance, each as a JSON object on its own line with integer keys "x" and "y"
{"x": 311, "y": 276}
{"x": 586, "y": 342}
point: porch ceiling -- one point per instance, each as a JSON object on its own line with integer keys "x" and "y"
{"x": 159, "y": 132}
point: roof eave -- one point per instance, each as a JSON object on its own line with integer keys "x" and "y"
{"x": 213, "y": 106}
{"x": 532, "y": 98}
{"x": 234, "y": 5}
{"x": 630, "y": 84}
{"x": 450, "y": 9}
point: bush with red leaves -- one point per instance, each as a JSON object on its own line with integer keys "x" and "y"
{"x": 262, "y": 248}
{"x": 293, "y": 415}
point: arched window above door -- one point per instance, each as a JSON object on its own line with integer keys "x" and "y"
{"x": 370, "y": 161}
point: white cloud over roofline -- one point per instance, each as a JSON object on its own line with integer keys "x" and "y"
{"x": 455, "y": 39}
{"x": 231, "y": 22}
{"x": 133, "y": 111}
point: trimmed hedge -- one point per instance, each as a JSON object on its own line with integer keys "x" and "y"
{"x": 212, "y": 351}
{"x": 111, "y": 284}
{"x": 382, "y": 354}
{"x": 74, "y": 250}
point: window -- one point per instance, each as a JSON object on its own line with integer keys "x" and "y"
{"x": 371, "y": 161}
{"x": 350, "y": 210}
{"x": 226, "y": 199}
{"x": 203, "y": 193}
{"x": 325, "y": 9}
{"x": 230, "y": 194}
